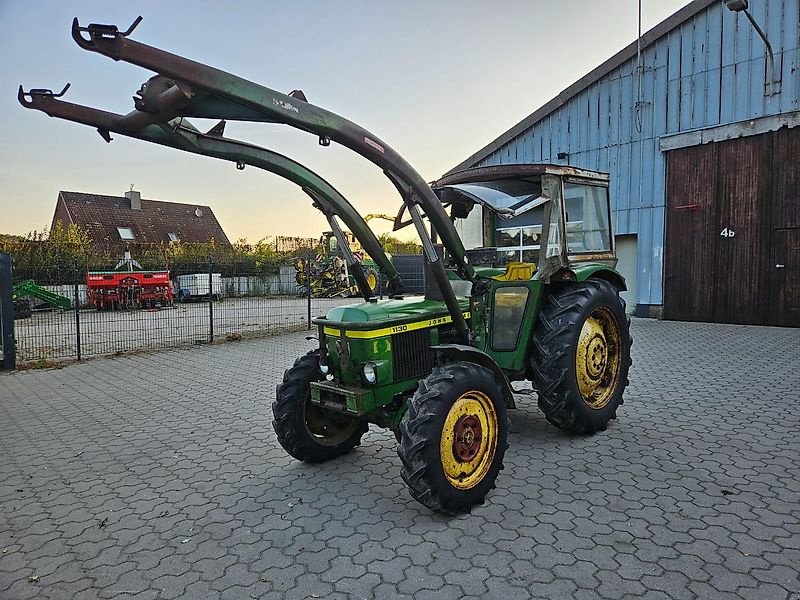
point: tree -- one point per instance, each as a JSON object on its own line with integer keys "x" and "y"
{"x": 392, "y": 245}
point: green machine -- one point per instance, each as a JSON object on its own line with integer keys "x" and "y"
{"x": 22, "y": 293}
{"x": 539, "y": 302}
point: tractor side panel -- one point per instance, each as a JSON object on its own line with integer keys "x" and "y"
{"x": 510, "y": 324}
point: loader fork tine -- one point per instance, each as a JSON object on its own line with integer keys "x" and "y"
{"x": 97, "y": 30}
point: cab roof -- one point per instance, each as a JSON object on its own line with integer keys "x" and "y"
{"x": 517, "y": 170}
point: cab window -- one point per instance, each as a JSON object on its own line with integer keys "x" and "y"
{"x": 587, "y": 211}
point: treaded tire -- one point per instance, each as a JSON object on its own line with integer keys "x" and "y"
{"x": 421, "y": 432}
{"x": 290, "y": 409}
{"x": 23, "y": 308}
{"x": 553, "y": 359}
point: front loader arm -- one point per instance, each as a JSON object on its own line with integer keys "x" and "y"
{"x": 179, "y": 133}
{"x": 217, "y": 94}
{"x": 250, "y": 101}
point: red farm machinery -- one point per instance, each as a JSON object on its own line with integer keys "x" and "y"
{"x": 115, "y": 290}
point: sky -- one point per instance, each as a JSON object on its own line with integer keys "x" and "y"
{"x": 437, "y": 80}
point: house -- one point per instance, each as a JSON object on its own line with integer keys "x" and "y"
{"x": 116, "y": 221}
{"x": 697, "y": 125}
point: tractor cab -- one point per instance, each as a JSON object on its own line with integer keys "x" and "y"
{"x": 546, "y": 217}
{"x": 524, "y": 228}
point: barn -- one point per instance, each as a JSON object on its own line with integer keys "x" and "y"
{"x": 696, "y": 122}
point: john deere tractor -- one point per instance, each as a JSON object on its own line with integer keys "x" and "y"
{"x": 539, "y": 302}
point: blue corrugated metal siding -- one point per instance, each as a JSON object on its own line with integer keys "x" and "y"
{"x": 707, "y": 71}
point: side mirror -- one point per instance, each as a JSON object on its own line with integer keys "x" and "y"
{"x": 461, "y": 209}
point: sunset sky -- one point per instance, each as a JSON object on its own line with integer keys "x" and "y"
{"x": 436, "y": 80}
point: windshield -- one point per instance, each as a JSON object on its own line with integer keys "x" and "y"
{"x": 500, "y": 194}
{"x": 518, "y": 204}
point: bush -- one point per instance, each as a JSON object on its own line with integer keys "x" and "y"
{"x": 67, "y": 253}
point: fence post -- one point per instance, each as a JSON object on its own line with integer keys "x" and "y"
{"x": 308, "y": 281}
{"x": 210, "y": 300}
{"x": 77, "y": 320}
{"x": 7, "y": 315}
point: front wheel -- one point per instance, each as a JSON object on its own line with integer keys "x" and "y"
{"x": 23, "y": 308}
{"x": 453, "y": 437}
{"x": 306, "y": 431}
{"x": 581, "y": 356}
{"x": 371, "y": 276}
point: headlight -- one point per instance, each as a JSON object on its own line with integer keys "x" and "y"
{"x": 323, "y": 368}
{"x": 370, "y": 373}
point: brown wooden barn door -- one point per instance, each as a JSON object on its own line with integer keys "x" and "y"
{"x": 742, "y": 235}
{"x": 784, "y": 268}
{"x": 689, "y": 250}
{"x": 785, "y": 308}
{"x": 721, "y": 219}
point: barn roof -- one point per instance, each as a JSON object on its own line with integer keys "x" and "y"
{"x": 667, "y": 25}
{"x": 101, "y": 216}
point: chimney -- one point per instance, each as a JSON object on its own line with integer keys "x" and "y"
{"x": 135, "y": 199}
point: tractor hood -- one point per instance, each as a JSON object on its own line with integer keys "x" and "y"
{"x": 369, "y": 315}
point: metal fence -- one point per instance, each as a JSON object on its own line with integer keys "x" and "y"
{"x": 216, "y": 298}
{"x": 240, "y": 305}
{"x": 411, "y": 269}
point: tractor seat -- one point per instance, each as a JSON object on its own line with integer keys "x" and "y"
{"x": 517, "y": 271}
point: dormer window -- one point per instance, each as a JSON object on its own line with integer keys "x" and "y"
{"x": 173, "y": 237}
{"x": 125, "y": 233}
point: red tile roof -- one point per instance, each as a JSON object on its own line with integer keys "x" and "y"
{"x": 101, "y": 215}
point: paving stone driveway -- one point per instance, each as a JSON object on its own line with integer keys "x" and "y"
{"x": 158, "y": 476}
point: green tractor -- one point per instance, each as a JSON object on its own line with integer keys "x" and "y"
{"x": 540, "y": 303}
{"x": 402, "y": 364}
{"x": 327, "y": 275}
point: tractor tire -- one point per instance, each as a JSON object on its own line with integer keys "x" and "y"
{"x": 306, "y": 431}
{"x": 453, "y": 437}
{"x": 300, "y": 275}
{"x": 23, "y": 308}
{"x": 371, "y": 276}
{"x": 581, "y": 356}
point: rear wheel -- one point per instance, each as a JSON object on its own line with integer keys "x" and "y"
{"x": 306, "y": 431}
{"x": 453, "y": 437}
{"x": 581, "y": 356}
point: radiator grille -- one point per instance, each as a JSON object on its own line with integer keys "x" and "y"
{"x": 411, "y": 354}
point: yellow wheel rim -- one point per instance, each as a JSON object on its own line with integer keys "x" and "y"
{"x": 327, "y": 428}
{"x": 597, "y": 358}
{"x": 469, "y": 440}
{"x": 372, "y": 281}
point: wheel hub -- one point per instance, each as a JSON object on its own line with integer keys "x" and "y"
{"x": 597, "y": 358}
{"x": 468, "y": 434}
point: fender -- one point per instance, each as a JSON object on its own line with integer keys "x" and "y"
{"x": 460, "y": 352}
{"x": 582, "y": 272}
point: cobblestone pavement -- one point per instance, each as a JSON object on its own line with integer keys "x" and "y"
{"x": 158, "y": 476}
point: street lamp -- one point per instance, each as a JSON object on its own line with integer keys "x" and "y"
{"x": 742, "y": 6}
